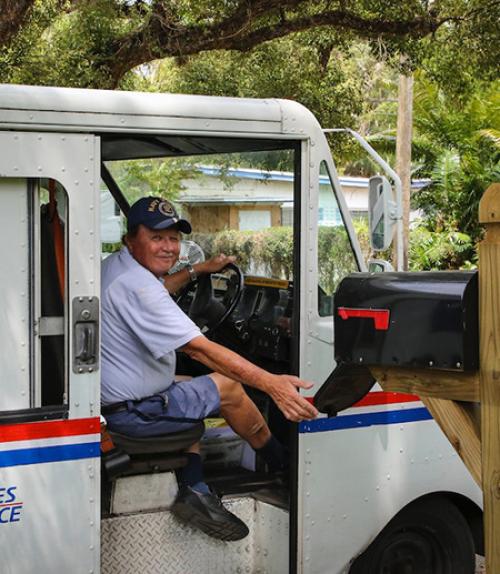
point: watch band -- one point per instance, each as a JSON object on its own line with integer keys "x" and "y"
{"x": 192, "y": 273}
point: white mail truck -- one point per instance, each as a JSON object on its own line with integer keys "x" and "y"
{"x": 375, "y": 489}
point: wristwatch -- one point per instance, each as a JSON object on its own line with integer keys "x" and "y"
{"x": 192, "y": 273}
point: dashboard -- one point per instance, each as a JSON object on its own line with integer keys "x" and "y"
{"x": 260, "y": 326}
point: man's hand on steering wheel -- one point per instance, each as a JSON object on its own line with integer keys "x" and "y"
{"x": 214, "y": 264}
{"x": 178, "y": 281}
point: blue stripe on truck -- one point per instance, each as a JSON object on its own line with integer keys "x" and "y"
{"x": 365, "y": 420}
{"x": 49, "y": 454}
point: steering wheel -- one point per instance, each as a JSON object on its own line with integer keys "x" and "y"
{"x": 210, "y": 299}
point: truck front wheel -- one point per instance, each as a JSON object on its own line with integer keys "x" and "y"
{"x": 429, "y": 536}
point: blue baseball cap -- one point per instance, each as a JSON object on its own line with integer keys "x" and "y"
{"x": 155, "y": 213}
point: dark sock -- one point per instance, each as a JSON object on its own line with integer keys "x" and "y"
{"x": 274, "y": 454}
{"x": 192, "y": 474}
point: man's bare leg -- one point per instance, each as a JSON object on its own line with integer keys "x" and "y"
{"x": 242, "y": 415}
{"x": 195, "y": 504}
{"x": 240, "y": 412}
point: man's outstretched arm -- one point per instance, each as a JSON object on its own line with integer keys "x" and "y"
{"x": 281, "y": 388}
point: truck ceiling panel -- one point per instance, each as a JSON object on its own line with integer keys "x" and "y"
{"x": 116, "y": 147}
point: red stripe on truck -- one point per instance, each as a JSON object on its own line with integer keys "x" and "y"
{"x": 49, "y": 429}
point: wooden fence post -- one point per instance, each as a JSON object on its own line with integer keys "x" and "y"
{"x": 489, "y": 344}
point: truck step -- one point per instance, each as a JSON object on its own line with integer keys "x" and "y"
{"x": 156, "y": 542}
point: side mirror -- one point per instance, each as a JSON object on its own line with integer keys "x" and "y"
{"x": 382, "y": 212}
{"x": 379, "y": 266}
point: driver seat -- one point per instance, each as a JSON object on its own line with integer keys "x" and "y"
{"x": 157, "y": 453}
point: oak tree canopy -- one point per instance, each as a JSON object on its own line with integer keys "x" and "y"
{"x": 94, "y": 43}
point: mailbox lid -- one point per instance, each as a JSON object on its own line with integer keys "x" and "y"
{"x": 419, "y": 320}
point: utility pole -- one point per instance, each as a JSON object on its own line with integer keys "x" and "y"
{"x": 403, "y": 155}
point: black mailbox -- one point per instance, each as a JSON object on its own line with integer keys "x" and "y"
{"x": 418, "y": 320}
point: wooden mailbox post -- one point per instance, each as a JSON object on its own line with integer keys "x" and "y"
{"x": 489, "y": 357}
{"x": 467, "y": 405}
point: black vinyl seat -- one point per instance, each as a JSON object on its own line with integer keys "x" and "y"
{"x": 164, "y": 453}
{"x": 163, "y": 444}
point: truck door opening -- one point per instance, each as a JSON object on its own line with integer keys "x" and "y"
{"x": 35, "y": 350}
{"x": 238, "y": 195}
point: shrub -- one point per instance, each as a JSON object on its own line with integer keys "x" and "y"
{"x": 445, "y": 249}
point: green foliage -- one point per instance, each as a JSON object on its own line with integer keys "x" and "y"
{"x": 137, "y": 178}
{"x": 360, "y": 225}
{"x": 429, "y": 249}
{"x": 243, "y": 244}
{"x": 335, "y": 257}
{"x": 110, "y": 247}
{"x": 456, "y": 146}
{"x": 268, "y": 252}
{"x": 299, "y": 68}
{"x": 342, "y": 80}
{"x": 377, "y": 75}
{"x": 465, "y": 51}
{"x": 94, "y": 43}
{"x": 436, "y": 250}
{"x": 22, "y": 61}
{"x": 462, "y": 155}
{"x": 59, "y": 46}
{"x": 275, "y": 248}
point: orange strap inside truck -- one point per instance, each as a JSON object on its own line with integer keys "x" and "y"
{"x": 57, "y": 236}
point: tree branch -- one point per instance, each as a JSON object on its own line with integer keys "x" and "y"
{"x": 13, "y": 14}
{"x": 417, "y": 28}
{"x": 250, "y": 24}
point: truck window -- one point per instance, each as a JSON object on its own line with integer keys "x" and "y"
{"x": 237, "y": 202}
{"x": 112, "y": 223}
{"x": 33, "y": 290}
{"x": 239, "y": 196}
{"x": 335, "y": 255}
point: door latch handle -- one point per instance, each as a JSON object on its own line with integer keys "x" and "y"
{"x": 85, "y": 334}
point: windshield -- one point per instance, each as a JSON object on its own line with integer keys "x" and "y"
{"x": 239, "y": 203}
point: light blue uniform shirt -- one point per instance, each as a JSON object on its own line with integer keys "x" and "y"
{"x": 141, "y": 326}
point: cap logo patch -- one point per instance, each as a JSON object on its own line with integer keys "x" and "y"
{"x": 153, "y": 205}
{"x": 166, "y": 209}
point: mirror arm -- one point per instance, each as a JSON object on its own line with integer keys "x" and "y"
{"x": 397, "y": 186}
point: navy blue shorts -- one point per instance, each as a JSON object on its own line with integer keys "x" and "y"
{"x": 178, "y": 408}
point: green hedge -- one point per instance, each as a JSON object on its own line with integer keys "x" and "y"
{"x": 270, "y": 251}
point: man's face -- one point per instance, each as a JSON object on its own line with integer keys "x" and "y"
{"x": 155, "y": 249}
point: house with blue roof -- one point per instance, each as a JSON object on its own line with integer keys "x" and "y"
{"x": 253, "y": 199}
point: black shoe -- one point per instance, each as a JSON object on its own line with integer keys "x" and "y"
{"x": 206, "y": 512}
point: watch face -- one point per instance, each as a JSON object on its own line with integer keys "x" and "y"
{"x": 192, "y": 273}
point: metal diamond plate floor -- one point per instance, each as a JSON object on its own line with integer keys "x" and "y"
{"x": 155, "y": 542}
